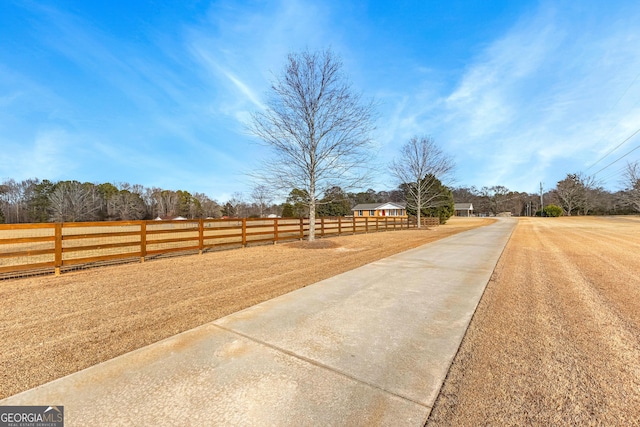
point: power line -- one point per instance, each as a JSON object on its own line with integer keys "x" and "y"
{"x": 614, "y": 126}
{"x": 617, "y": 172}
{"x": 613, "y": 179}
{"x": 619, "y": 158}
{"x": 614, "y": 149}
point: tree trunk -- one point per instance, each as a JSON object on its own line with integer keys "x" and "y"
{"x": 312, "y": 218}
{"x": 419, "y": 200}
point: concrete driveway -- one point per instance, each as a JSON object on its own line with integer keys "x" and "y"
{"x": 368, "y": 347}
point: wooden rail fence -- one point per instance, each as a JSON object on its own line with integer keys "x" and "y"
{"x": 57, "y": 247}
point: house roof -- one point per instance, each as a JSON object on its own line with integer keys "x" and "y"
{"x": 376, "y": 206}
{"x": 463, "y": 206}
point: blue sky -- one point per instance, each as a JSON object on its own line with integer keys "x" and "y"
{"x": 156, "y": 92}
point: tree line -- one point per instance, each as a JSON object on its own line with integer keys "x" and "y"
{"x": 34, "y": 200}
{"x": 576, "y": 194}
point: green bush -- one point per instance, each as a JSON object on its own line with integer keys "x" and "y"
{"x": 553, "y": 211}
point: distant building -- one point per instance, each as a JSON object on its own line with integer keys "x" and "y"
{"x": 379, "y": 210}
{"x": 463, "y": 209}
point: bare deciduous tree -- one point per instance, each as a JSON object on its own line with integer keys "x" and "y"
{"x": 72, "y": 201}
{"x": 632, "y": 185}
{"x": 165, "y": 202}
{"x": 14, "y": 199}
{"x": 419, "y": 159}
{"x": 317, "y": 127}
{"x": 240, "y": 208}
{"x": 129, "y": 206}
{"x": 574, "y": 193}
{"x": 210, "y": 208}
{"x": 262, "y": 198}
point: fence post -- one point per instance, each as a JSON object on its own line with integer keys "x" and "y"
{"x": 58, "y": 248}
{"x": 386, "y": 223}
{"x": 301, "y": 228}
{"x": 322, "y": 227}
{"x": 354, "y": 224}
{"x": 366, "y": 224}
{"x": 339, "y": 225}
{"x": 275, "y": 230}
{"x": 143, "y": 240}
{"x": 200, "y": 236}
{"x": 244, "y": 232}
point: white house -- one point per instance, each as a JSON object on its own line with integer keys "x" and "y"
{"x": 463, "y": 209}
{"x": 380, "y": 210}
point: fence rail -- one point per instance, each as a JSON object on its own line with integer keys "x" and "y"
{"x": 58, "y": 247}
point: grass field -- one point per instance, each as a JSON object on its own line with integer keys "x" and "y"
{"x": 556, "y": 337}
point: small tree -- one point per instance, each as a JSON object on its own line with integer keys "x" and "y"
{"x": 419, "y": 169}
{"x": 552, "y": 210}
{"x": 446, "y": 207}
{"x": 317, "y": 128}
{"x": 297, "y": 200}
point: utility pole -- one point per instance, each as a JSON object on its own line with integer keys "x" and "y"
{"x": 541, "y": 202}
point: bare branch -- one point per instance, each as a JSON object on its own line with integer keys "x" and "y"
{"x": 420, "y": 160}
{"x": 631, "y": 182}
{"x": 317, "y": 127}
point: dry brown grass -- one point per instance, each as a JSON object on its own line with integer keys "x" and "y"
{"x": 556, "y": 337}
{"x": 54, "y": 326}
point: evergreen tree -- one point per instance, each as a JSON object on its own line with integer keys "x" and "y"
{"x": 334, "y": 203}
{"x": 39, "y": 204}
{"x": 441, "y": 200}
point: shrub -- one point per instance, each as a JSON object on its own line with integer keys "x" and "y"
{"x": 553, "y": 210}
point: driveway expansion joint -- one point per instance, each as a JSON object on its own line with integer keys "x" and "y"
{"x": 320, "y": 365}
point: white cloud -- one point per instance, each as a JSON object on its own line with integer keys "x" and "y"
{"x": 541, "y": 94}
{"x": 46, "y": 155}
{"x": 241, "y": 47}
{"x": 214, "y": 66}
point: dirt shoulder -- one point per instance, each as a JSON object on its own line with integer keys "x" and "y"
{"x": 54, "y": 326}
{"x": 555, "y": 339}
